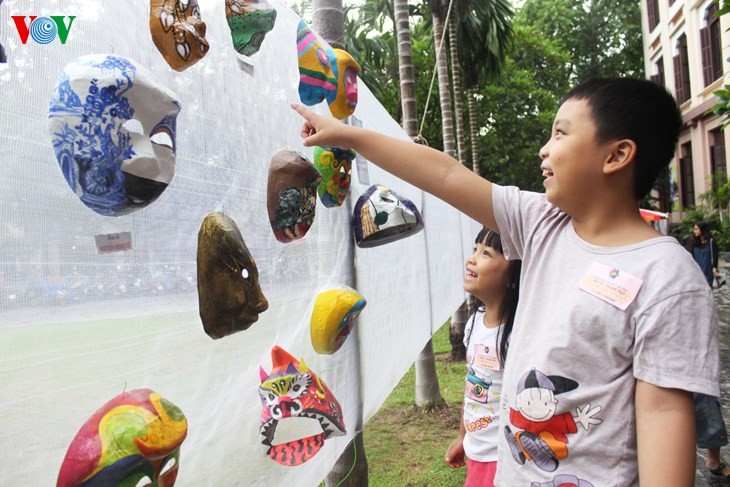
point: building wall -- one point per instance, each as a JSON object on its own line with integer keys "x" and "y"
{"x": 660, "y": 46}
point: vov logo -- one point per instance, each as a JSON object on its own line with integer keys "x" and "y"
{"x": 43, "y": 29}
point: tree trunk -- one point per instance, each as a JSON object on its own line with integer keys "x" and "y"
{"x": 456, "y": 80}
{"x": 428, "y": 393}
{"x": 328, "y": 20}
{"x": 442, "y": 67}
{"x": 473, "y": 130}
{"x": 351, "y": 469}
{"x": 405, "y": 68}
{"x": 456, "y": 332}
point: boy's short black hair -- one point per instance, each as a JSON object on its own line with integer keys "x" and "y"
{"x": 636, "y": 109}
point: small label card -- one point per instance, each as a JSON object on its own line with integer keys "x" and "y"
{"x": 113, "y": 242}
{"x": 610, "y": 284}
{"x": 363, "y": 176}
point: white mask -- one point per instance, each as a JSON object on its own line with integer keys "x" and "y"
{"x": 113, "y": 130}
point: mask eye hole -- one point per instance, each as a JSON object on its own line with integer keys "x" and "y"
{"x": 143, "y": 482}
{"x": 244, "y": 273}
{"x": 163, "y": 138}
{"x": 168, "y": 466}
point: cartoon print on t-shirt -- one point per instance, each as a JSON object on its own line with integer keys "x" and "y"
{"x": 563, "y": 481}
{"x": 543, "y": 439}
{"x": 477, "y": 388}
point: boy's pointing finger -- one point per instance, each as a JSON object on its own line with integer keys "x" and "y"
{"x": 301, "y": 111}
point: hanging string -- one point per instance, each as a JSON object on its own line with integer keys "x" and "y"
{"x": 354, "y": 462}
{"x": 435, "y": 67}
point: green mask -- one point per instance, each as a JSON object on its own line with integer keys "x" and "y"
{"x": 249, "y": 21}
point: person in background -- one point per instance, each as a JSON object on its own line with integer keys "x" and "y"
{"x": 709, "y": 423}
{"x": 705, "y": 251}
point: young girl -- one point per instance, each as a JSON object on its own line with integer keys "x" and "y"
{"x": 495, "y": 284}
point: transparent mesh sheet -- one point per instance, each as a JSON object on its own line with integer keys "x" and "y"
{"x": 78, "y": 328}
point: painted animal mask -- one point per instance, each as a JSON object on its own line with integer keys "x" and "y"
{"x": 291, "y": 195}
{"x": 334, "y": 165}
{"x": 178, "y": 32}
{"x": 112, "y": 126}
{"x": 249, "y": 21}
{"x": 326, "y": 74}
{"x": 333, "y": 317}
{"x": 229, "y": 294}
{"x": 381, "y": 216}
{"x": 317, "y": 77}
{"x": 292, "y": 391}
{"x": 134, "y": 436}
{"x": 347, "y": 70}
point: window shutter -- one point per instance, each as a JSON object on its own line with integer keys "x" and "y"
{"x": 678, "y": 83}
{"x": 706, "y": 50}
{"x": 652, "y": 14}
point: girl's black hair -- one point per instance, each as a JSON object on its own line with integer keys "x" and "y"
{"x": 704, "y": 232}
{"x": 508, "y": 309}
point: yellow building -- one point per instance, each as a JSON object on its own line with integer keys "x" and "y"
{"x": 686, "y": 47}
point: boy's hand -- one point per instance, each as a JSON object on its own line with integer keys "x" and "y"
{"x": 455, "y": 453}
{"x": 320, "y": 130}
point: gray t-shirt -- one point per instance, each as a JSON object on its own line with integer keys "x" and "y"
{"x": 575, "y": 354}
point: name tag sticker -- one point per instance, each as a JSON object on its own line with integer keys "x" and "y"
{"x": 486, "y": 357}
{"x": 612, "y": 285}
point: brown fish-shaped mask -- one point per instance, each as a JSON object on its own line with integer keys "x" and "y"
{"x": 229, "y": 294}
{"x": 178, "y": 32}
{"x": 291, "y": 195}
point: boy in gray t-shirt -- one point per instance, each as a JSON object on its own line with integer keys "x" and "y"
{"x": 616, "y": 327}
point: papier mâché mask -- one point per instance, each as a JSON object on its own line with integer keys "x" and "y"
{"x": 229, "y": 294}
{"x": 292, "y": 391}
{"x": 112, "y": 126}
{"x": 134, "y": 439}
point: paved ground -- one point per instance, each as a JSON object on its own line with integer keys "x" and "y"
{"x": 704, "y": 478}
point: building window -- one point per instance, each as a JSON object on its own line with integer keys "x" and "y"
{"x": 652, "y": 12}
{"x": 658, "y": 76}
{"x": 711, "y": 45}
{"x": 681, "y": 70}
{"x": 717, "y": 154}
{"x": 687, "y": 181}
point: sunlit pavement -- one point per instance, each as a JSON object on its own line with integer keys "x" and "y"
{"x": 703, "y": 477}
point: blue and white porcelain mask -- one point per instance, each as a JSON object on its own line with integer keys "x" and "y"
{"x": 112, "y": 126}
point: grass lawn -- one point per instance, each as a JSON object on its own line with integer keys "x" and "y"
{"x": 406, "y": 447}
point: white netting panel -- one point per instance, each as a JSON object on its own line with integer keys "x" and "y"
{"x": 78, "y": 328}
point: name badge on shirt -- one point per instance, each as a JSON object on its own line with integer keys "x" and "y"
{"x": 486, "y": 357}
{"x": 610, "y": 284}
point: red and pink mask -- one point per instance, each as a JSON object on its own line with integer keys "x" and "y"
{"x": 295, "y": 400}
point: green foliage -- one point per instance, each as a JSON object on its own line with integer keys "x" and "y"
{"x": 602, "y": 37}
{"x": 516, "y": 112}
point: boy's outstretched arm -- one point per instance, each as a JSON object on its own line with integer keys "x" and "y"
{"x": 426, "y": 168}
{"x": 665, "y": 430}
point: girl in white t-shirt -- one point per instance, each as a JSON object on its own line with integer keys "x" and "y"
{"x": 495, "y": 284}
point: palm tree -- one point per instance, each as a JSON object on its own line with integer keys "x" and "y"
{"x": 439, "y": 12}
{"x": 405, "y": 68}
{"x": 478, "y": 34}
{"x": 484, "y": 35}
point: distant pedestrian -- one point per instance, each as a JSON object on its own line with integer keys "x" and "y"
{"x": 711, "y": 433}
{"x": 495, "y": 282}
{"x": 705, "y": 251}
